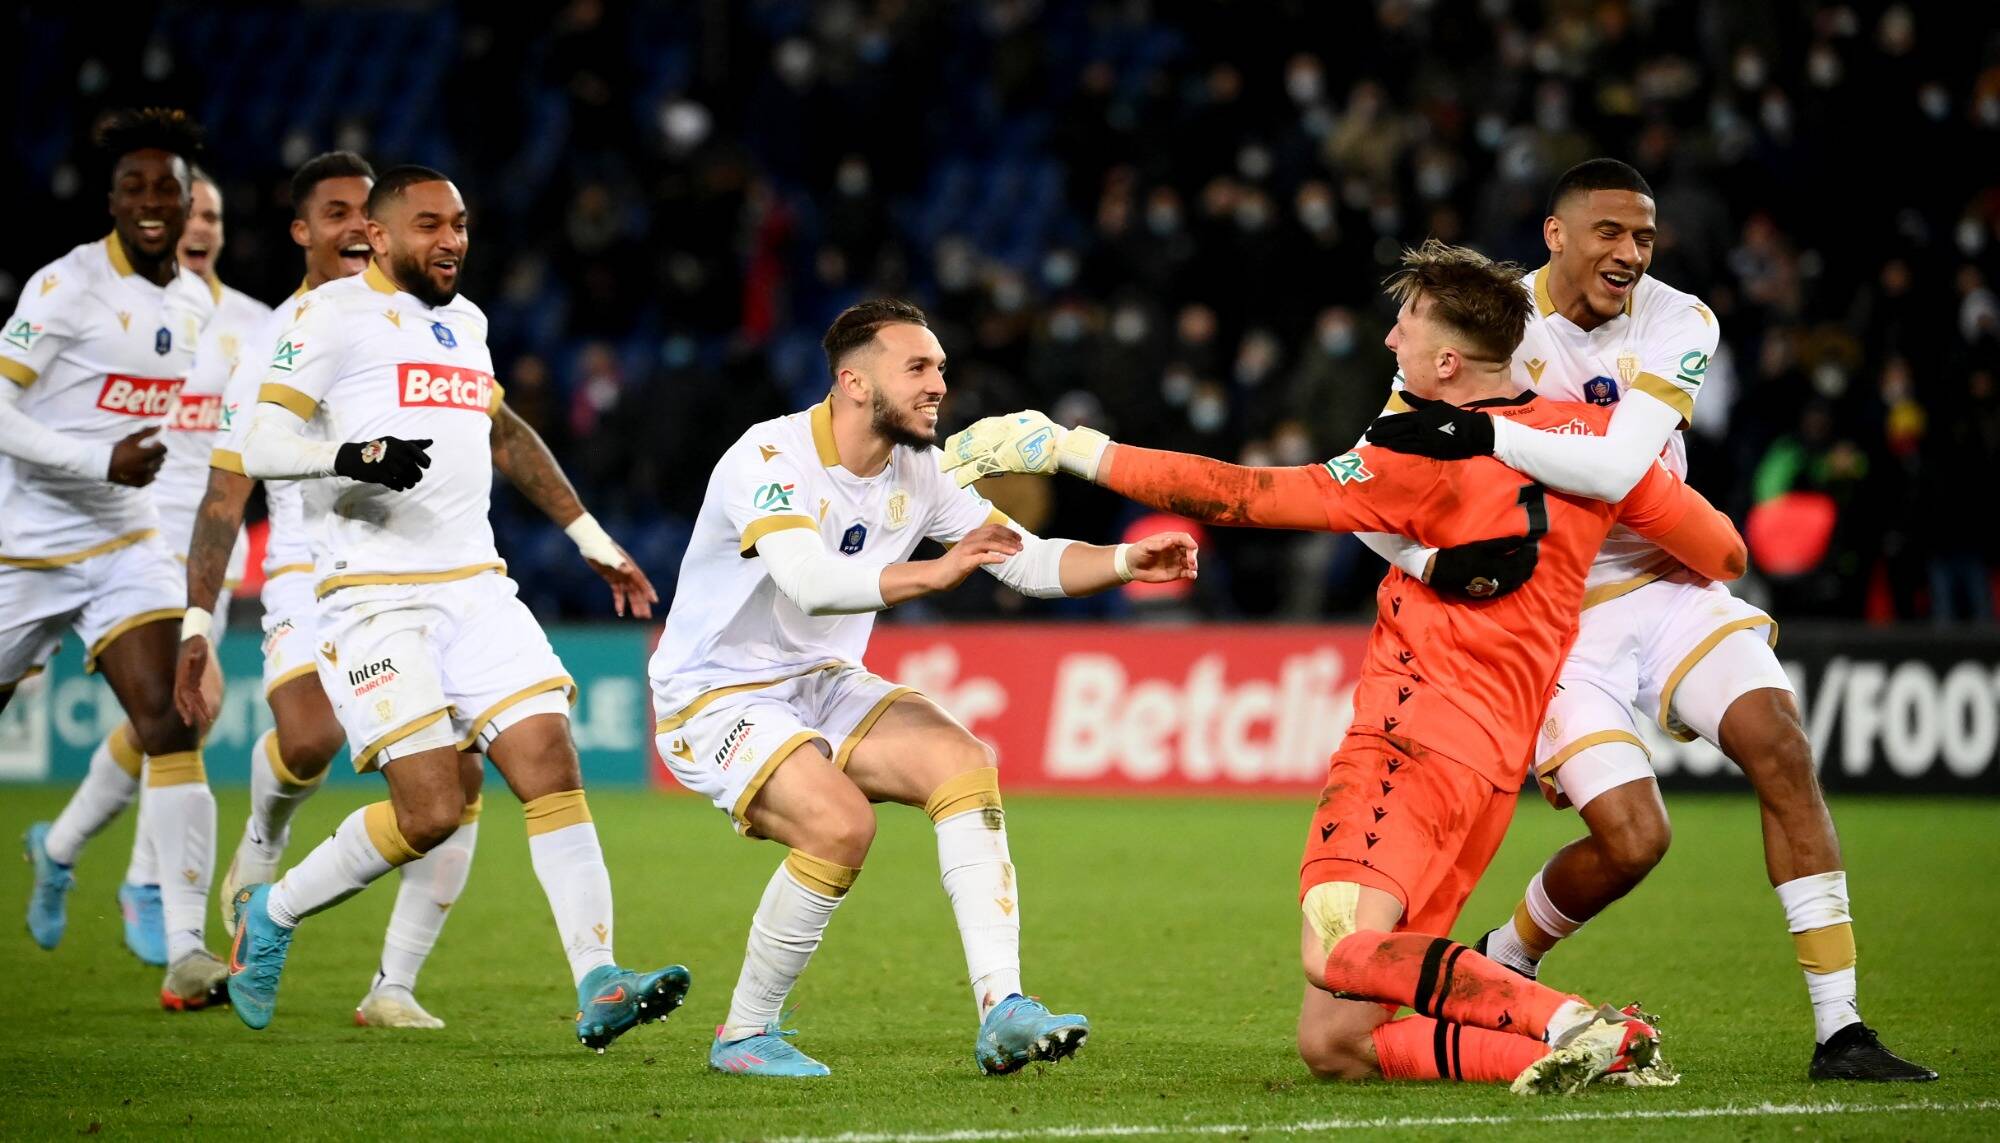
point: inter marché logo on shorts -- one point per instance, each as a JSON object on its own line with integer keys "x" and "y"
{"x": 376, "y": 674}
{"x": 736, "y": 745}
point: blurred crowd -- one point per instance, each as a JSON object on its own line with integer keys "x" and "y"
{"x": 1166, "y": 219}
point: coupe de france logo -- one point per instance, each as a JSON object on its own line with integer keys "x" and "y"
{"x": 444, "y": 335}
{"x": 1601, "y": 391}
{"x": 163, "y": 341}
{"x": 852, "y": 539}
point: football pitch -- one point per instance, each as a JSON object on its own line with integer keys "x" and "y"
{"x": 1171, "y": 923}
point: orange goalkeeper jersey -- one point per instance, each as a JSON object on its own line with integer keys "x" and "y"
{"x": 1467, "y": 679}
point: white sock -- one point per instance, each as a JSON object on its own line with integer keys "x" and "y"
{"x": 562, "y": 844}
{"x": 784, "y": 931}
{"x": 430, "y": 885}
{"x": 143, "y": 867}
{"x": 179, "y": 814}
{"x": 104, "y": 793}
{"x": 1505, "y": 946}
{"x": 978, "y": 876}
{"x": 1569, "y": 1015}
{"x": 275, "y": 795}
{"x": 366, "y": 846}
{"x": 1822, "y": 929}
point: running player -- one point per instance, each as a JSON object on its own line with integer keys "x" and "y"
{"x": 1656, "y": 639}
{"x": 101, "y": 344}
{"x": 424, "y": 648}
{"x": 1420, "y": 793}
{"x": 329, "y": 193}
{"x": 116, "y": 765}
{"x": 806, "y": 531}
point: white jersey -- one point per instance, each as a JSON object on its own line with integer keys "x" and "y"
{"x": 1659, "y": 346}
{"x": 361, "y": 359}
{"x": 196, "y": 423}
{"x": 100, "y": 353}
{"x": 287, "y": 546}
{"x": 729, "y": 624}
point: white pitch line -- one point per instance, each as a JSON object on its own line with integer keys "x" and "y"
{"x": 1315, "y": 1126}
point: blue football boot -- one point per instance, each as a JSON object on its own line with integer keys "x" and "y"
{"x": 48, "y": 901}
{"x": 766, "y": 1053}
{"x": 1020, "y": 1030}
{"x": 257, "y": 958}
{"x": 612, "y": 1001}
{"x": 145, "y": 922}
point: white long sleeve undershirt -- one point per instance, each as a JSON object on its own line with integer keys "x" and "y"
{"x": 1603, "y": 468}
{"x": 25, "y": 438}
{"x": 276, "y": 448}
{"x": 821, "y": 583}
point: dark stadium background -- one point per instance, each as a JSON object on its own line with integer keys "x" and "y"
{"x": 1167, "y": 218}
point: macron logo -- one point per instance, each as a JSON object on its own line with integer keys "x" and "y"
{"x": 444, "y": 387}
{"x": 139, "y": 396}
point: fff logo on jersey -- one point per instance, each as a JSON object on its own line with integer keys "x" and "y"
{"x": 444, "y": 335}
{"x": 852, "y": 539}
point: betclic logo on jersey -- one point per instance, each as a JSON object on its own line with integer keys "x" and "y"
{"x": 443, "y": 387}
{"x": 201, "y": 414}
{"x": 139, "y": 396}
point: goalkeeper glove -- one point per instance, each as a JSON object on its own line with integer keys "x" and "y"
{"x": 391, "y": 462}
{"x": 1025, "y": 442}
{"x": 1434, "y": 429}
{"x": 1484, "y": 569}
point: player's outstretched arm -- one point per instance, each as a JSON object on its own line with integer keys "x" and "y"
{"x": 1602, "y": 468}
{"x": 821, "y": 584}
{"x": 276, "y": 448}
{"x": 133, "y": 461}
{"x": 1682, "y": 521}
{"x": 520, "y": 455}
{"x": 197, "y": 680}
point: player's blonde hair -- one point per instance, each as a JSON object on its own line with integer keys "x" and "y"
{"x": 1480, "y": 300}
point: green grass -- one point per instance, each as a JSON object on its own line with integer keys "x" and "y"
{"x": 1171, "y": 923}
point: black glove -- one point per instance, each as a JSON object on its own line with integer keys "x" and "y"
{"x": 392, "y": 463}
{"x": 1485, "y": 569}
{"x": 1434, "y": 429}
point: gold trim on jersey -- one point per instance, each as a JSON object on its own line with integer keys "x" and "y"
{"x": 288, "y": 398}
{"x": 305, "y": 285}
{"x": 1556, "y": 760}
{"x": 214, "y": 283}
{"x": 867, "y": 724}
{"x": 1701, "y": 649}
{"x": 31, "y": 672}
{"x": 332, "y": 584}
{"x": 119, "y": 628}
{"x": 114, "y": 249}
{"x": 560, "y": 682}
{"x": 696, "y": 705}
{"x": 1606, "y": 592}
{"x": 1396, "y": 403}
{"x": 822, "y": 432}
{"x": 285, "y": 569}
{"x": 228, "y": 460}
{"x": 377, "y": 279}
{"x": 293, "y": 675}
{"x": 499, "y": 395}
{"x": 365, "y": 761}
{"x": 764, "y": 773}
{"x": 67, "y": 558}
{"x": 994, "y": 516}
{"x": 763, "y": 527}
{"x": 16, "y": 372}
{"x": 1667, "y": 393}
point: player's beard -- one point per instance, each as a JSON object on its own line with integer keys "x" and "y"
{"x": 890, "y": 422}
{"x": 410, "y": 274}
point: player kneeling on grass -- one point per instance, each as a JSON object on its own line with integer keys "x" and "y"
{"x": 806, "y": 531}
{"x": 1419, "y": 794}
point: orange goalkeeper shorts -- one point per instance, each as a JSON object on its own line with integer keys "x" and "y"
{"x": 1410, "y": 822}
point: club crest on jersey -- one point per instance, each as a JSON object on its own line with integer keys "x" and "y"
{"x": 444, "y": 335}
{"x": 138, "y": 396}
{"x": 1628, "y": 368}
{"x": 852, "y": 539}
{"x": 1348, "y": 468}
{"x": 443, "y": 387}
{"x": 1601, "y": 391}
{"x": 22, "y": 334}
{"x": 773, "y": 497}
{"x": 163, "y": 341}
{"x": 899, "y": 509}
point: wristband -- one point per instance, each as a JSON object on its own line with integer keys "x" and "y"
{"x": 1080, "y": 452}
{"x": 593, "y": 541}
{"x": 1119, "y": 563}
{"x": 197, "y": 623}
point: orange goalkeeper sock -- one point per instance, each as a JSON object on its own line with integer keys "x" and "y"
{"x": 1442, "y": 979}
{"x": 1420, "y": 1048}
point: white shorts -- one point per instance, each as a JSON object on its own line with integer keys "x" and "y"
{"x": 289, "y": 624}
{"x": 726, "y": 744}
{"x": 99, "y": 598}
{"x": 415, "y": 667}
{"x": 1636, "y": 656}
